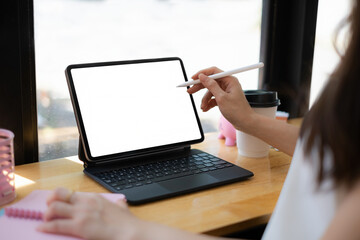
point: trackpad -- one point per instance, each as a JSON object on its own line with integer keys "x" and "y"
{"x": 187, "y": 183}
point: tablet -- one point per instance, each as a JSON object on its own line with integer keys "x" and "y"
{"x": 129, "y": 108}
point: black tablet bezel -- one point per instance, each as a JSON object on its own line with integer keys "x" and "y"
{"x": 133, "y": 153}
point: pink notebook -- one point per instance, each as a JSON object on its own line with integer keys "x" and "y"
{"x": 30, "y": 207}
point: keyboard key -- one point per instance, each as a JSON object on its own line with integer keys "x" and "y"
{"x": 218, "y": 162}
{"x": 172, "y": 176}
{"x": 123, "y": 182}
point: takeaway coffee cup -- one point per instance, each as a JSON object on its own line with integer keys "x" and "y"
{"x": 264, "y": 103}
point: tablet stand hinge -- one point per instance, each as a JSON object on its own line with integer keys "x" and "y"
{"x": 147, "y": 156}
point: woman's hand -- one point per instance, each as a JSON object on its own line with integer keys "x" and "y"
{"x": 227, "y": 94}
{"x": 89, "y": 216}
{"x": 230, "y": 99}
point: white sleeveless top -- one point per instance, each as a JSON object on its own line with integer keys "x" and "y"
{"x": 302, "y": 211}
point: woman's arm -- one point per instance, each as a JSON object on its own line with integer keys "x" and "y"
{"x": 278, "y": 134}
{"x": 346, "y": 223}
{"x": 227, "y": 94}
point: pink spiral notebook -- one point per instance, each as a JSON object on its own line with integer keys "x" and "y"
{"x": 19, "y": 221}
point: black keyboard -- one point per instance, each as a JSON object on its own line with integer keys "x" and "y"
{"x": 129, "y": 177}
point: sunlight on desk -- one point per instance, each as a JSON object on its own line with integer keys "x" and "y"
{"x": 21, "y": 181}
{"x": 74, "y": 159}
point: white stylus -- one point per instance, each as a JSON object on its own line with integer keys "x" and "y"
{"x": 225, "y": 74}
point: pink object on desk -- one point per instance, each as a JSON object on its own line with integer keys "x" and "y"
{"x": 227, "y": 131}
{"x": 7, "y": 176}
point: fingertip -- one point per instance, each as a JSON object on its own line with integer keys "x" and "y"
{"x": 205, "y": 80}
{"x": 45, "y": 227}
{"x": 191, "y": 90}
{"x": 203, "y": 77}
{"x": 195, "y": 88}
{"x": 121, "y": 202}
{"x": 196, "y": 75}
{"x": 53, "y": 195}
{"x": 49, "y": 213}
{"x": 210, "y": 84}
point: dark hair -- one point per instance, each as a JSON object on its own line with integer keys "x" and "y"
{"x": 334, "y": 120}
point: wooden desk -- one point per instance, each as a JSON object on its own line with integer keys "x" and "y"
{"x": 217, "y": 211}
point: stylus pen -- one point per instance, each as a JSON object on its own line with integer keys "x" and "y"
{"x": 225, "y": 74}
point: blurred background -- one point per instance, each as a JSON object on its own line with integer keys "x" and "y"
{"x": 204, "y": 33}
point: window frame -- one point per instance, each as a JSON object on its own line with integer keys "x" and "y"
{"x": 287, "y": 50}
{"x": 17, "y": 84}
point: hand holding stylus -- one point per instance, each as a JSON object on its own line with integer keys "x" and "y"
{"x": 227, "y": 94}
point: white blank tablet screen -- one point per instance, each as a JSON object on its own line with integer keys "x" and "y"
{"x": 134, "y": 106}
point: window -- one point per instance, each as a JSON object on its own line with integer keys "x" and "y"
{"x": 330, "y": 14}
{"x": 203, "y": 33}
